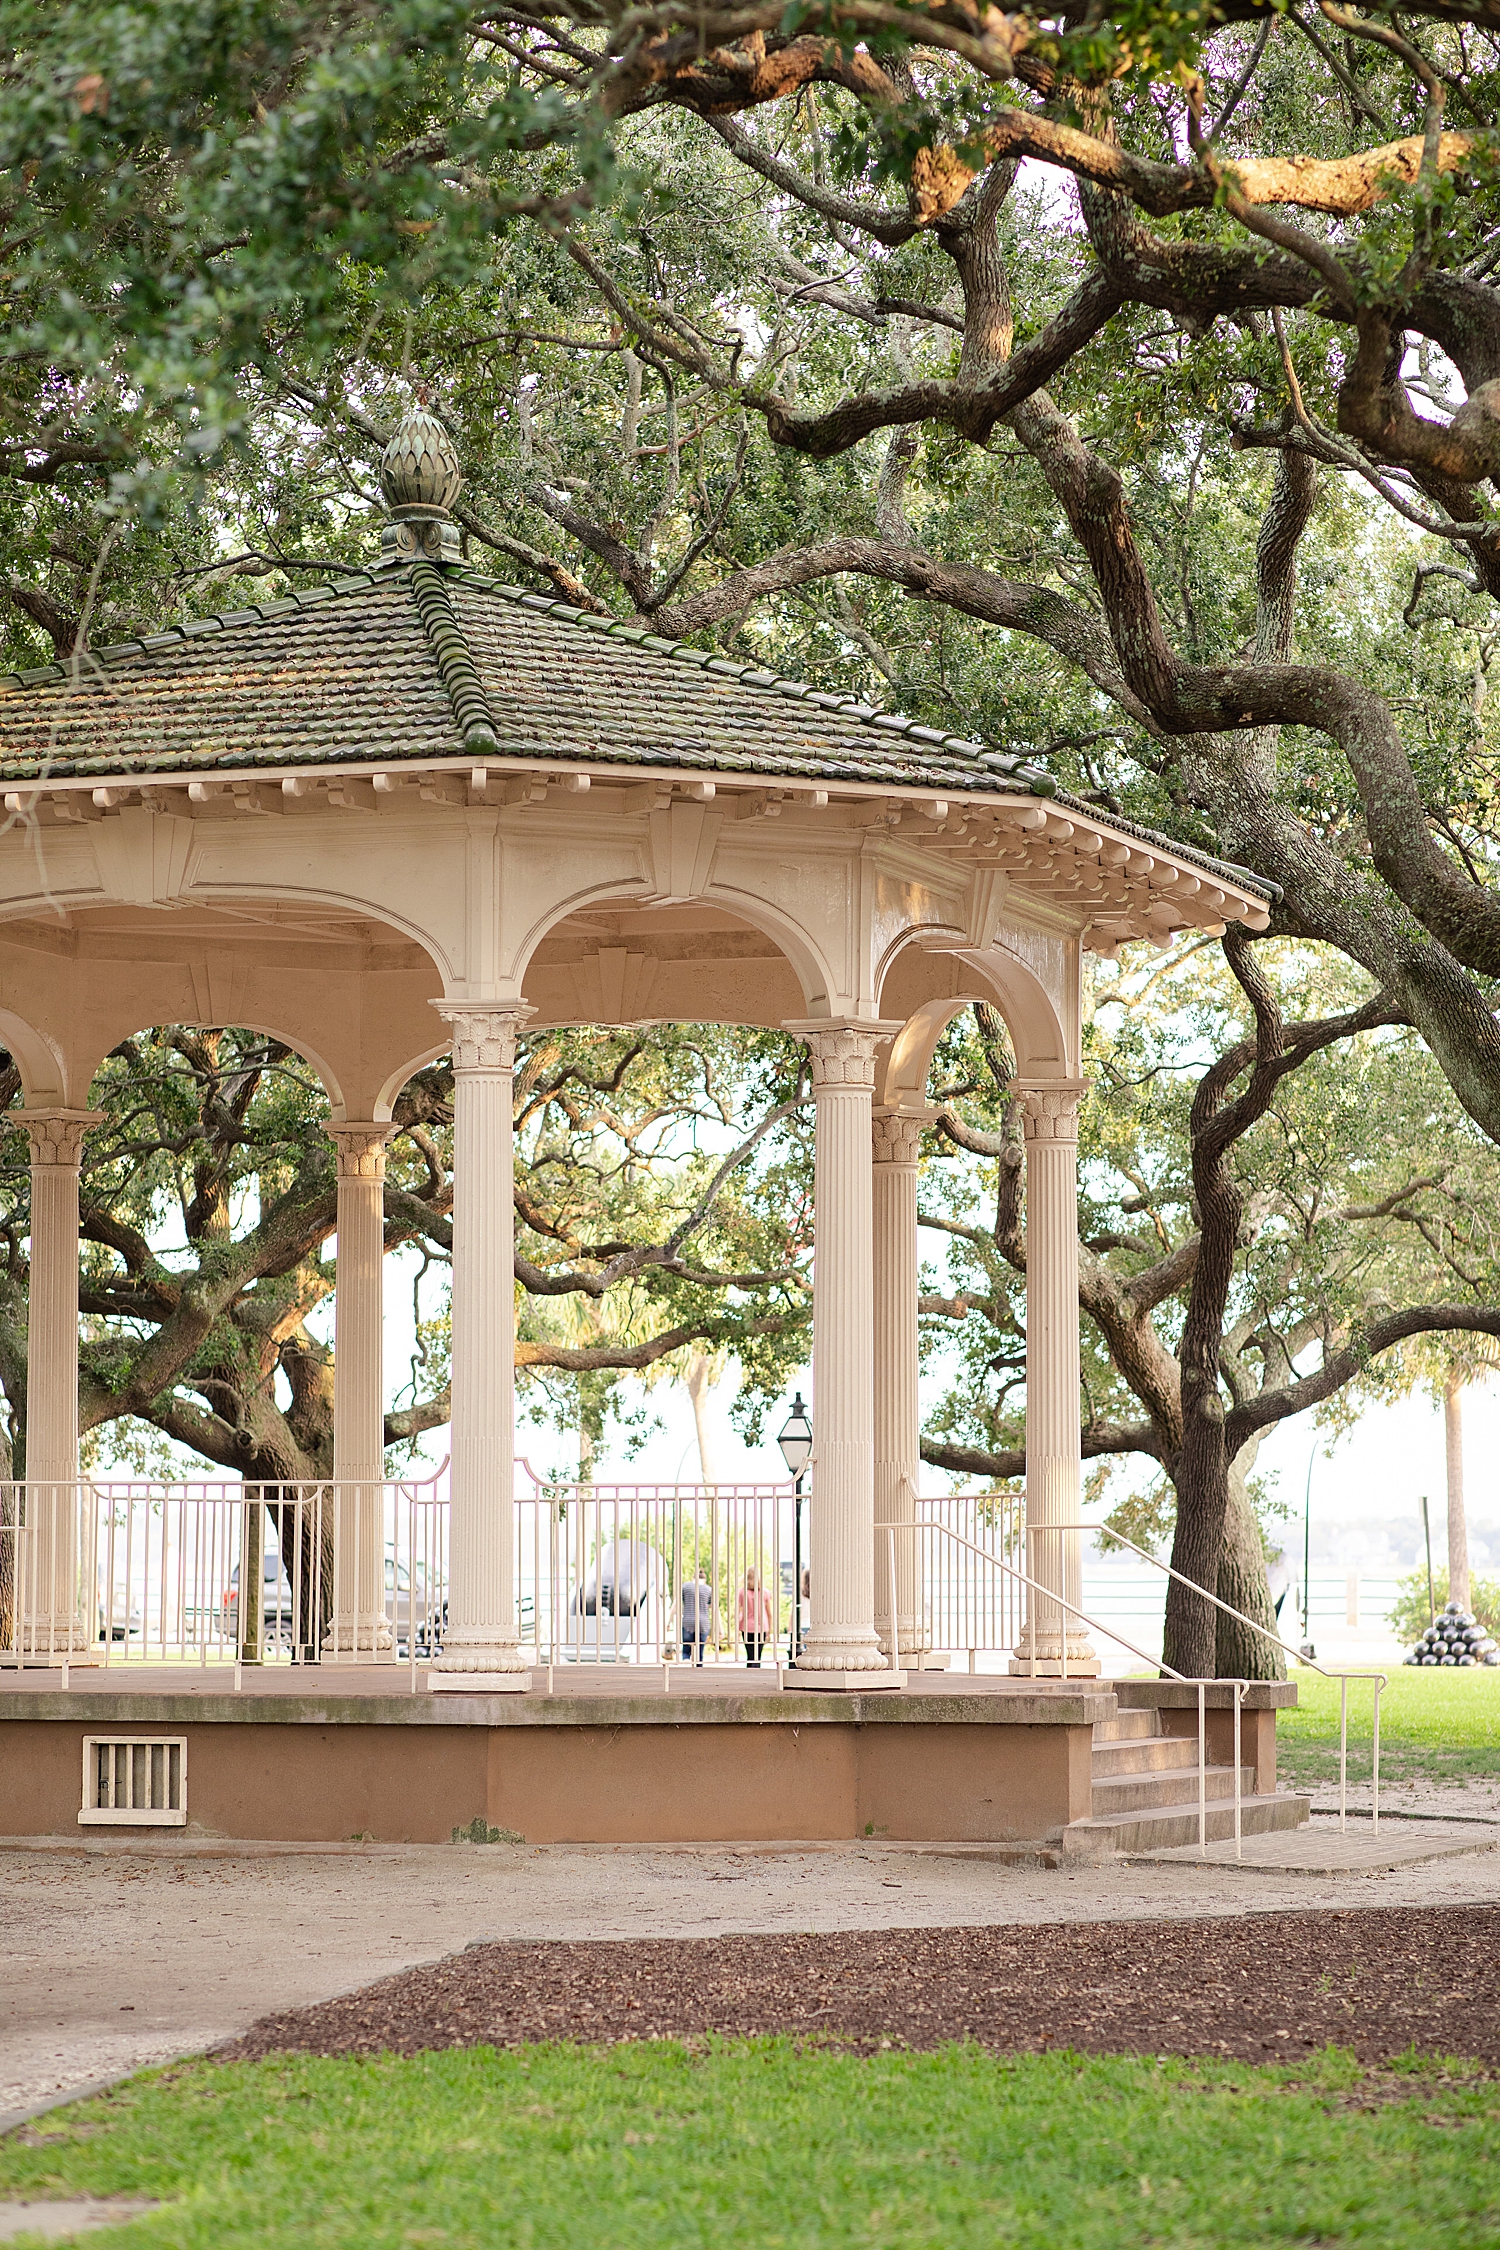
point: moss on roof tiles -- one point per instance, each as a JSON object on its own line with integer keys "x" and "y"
{"x": 424, "y": 661}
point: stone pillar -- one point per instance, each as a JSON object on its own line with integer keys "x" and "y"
{"x": 360, "y": 1626}
{"x": 481, "y": 1643}
{"x": 897, "y": 1143}
{"x": 841, "y": 1634}
{"x": 1054, "y": 1481}
{"x": 56, "y": 1605}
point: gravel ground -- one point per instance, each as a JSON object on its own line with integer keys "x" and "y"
{"x": 1438, "y": 1800}
{"x": 1378, "y": 1981}
{"x": 117, "y": 1957}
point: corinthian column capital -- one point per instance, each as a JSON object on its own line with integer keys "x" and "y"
{"x": 896, "y": 1134}
{"x": 485, "y": 1032}
{"x": 56, "y": 1135}
{"x": 1049, "y": 1107}
{"x": 843, "y": 1052}
{"x": 361, "y": 1149}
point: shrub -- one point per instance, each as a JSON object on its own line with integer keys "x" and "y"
{"x": 1409, "y": 1618}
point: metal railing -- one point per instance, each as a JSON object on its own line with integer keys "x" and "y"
{"x": 654, "y": 1574}
{"x": 116, "y": 1573}
{"x": 1038, "y": 1595}
{"x": 121, "y": 1572}
{"x": 1378, "y": 1680}
{"x": 964, "y": 1609}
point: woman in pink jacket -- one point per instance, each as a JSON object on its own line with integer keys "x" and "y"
{"x": 752, "y": 1614}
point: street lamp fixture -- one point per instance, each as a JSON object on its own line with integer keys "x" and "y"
{"x": 796, "y": 1441}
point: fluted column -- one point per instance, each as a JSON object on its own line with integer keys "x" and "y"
{"x": 841, "y": 1635}
{"x": 53, "y": 1598}
{"x": 896, "y": 1147}
{"x": 360, "y": 1625}
{"x": 1054, "y": 1482}
{"x": 481, "y": 1645}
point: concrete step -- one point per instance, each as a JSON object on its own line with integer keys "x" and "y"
{"x": 1149, "y": 1754}
{"x": 1173, "y": 1825}
{"x": 1176, "y": 1785}
{"x": 1127, "y": 1726}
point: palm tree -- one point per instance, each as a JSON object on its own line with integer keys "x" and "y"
{"x": 1449, "y": 1365}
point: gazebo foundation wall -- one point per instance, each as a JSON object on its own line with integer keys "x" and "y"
{"x": 579, "y": 1769}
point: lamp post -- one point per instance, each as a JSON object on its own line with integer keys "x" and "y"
{"x": 796, "y": 1441}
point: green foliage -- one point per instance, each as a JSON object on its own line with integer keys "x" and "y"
{"x": 1409, "y": 1615}
{"x": 752, "y": 2142}
{"x": 1340, "y": 1222}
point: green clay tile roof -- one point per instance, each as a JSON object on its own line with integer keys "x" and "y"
{"x": 422, "y": 662}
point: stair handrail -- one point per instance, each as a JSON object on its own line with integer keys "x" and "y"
{"x": 1379, "y": 1679}
{"x": 941, "y": 1531}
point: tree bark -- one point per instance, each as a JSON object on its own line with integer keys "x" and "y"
{"x": 1458, "y": 1529}
{"x": 1239, "y": 1653}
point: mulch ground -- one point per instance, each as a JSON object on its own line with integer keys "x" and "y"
{"x": 1380, "y": 1981}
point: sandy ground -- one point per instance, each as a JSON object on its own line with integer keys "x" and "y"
{"x": 120, "y": 1958}
{"x": 1431, "y": 1800}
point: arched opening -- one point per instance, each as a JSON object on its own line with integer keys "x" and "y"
{"x": 349, "y": 992}
{"x": 616, "y": 960}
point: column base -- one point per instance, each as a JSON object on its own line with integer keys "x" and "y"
{"x": 913, "y": 1639}
{"x": 65, "y": 1645}
{"x": 350, "y": 1640}
{"x": 844, "y": 1683}
{"x": 822, "y": 1652}
{"x": 480, "y": 1683}
{"x": 461, "y": 1658}
{"x": 1051, "y": 1667}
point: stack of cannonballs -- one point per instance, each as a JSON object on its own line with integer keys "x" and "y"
{"x": 1454, "y": 1638}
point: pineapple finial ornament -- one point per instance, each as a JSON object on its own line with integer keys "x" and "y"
{"x": 421, "y": 478}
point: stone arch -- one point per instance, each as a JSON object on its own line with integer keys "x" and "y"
{"x": 810, "y": 972}
{"x": 44, "y": 1075}
{"x": 996, "y": 976}
{"x": 385, "y": 1101}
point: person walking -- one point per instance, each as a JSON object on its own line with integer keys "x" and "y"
{"x": 753, "y": 1616}
{"x": 697, "y": 1618}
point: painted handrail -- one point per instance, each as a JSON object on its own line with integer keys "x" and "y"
{"x": 1380, "y": 1679}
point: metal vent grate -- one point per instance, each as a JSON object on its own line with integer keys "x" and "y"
{"x": 134, "y": 1781}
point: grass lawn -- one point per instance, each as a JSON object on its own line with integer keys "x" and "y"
{"x": 753, "y": 2143}
{"x": 1439, "y": 1724}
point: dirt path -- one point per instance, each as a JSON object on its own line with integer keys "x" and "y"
{"x": 119, "y": 1958}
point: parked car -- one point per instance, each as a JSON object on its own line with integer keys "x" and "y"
{"x": 124, "y": 1620}
{"x": 277, "y": 1618}
{"x": 403, "y": 1602}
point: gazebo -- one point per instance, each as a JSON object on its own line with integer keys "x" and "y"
{"x": 414, "y": 810}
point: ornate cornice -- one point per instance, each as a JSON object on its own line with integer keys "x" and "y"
{"x": 1049, "y": 1107}
{"x": 56, "y": 1135}
{"x": 361, "y": 1150}
{"x": 485, "y": 1031}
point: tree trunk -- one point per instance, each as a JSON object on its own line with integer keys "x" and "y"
{"x": 1201, "y": 1469}
{"x": 1239, "y": 1653}
{"x": 1458, "y": 1529}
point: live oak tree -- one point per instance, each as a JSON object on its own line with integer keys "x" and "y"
{"x": 749, "y": 324}
{"x": 209, "y": 1201}
{"x": 1238, "y": 1215}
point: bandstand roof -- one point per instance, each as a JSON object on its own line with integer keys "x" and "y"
{"x": 421, "y": 675}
